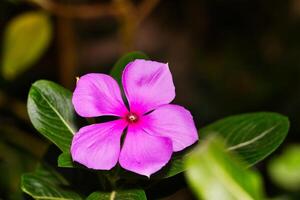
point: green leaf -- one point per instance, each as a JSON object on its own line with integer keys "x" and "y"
{"x": 45, "y": 183}
{"x": 213, "y": 172}
{"x": 65, "y": 160}
{"x": 51, "y": 112}
{"x": 13, "y": 162}
{"x": 132, "y": 194}
{"x": 174, "y": 167}
{"x": 118, "y": 68}
{"x": 254, "y": 136}
{"x": 284, "y": 169}
{"x": 25, "y": 39}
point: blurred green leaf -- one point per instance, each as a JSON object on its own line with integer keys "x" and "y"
{"x": 117, "y": 70}
{"x": 25, "y": 39}
{"x": 51, "y": 112}
{"x": 215, "y": 173}
{"x": 254, "y": 136}
{"x": 19, "y": 153}
{"x": 45, "y": 183}
{"x": 13, "y": 162}
{"x": 284, "y": 170}
{"x": 132, "y": 194}
{"x": 282, "y": 197}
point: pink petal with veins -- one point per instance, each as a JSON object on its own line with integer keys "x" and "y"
{"x": 97, "y": 95}
{"x": 174, "y": 122}
{"x": 98, "y": 146}
{"x": 147, "y": 85}
{"x": 143, "y": 153}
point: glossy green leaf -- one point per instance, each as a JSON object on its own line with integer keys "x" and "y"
{"x": 132, "y": 194}
{"x": 213, "y": 173}
{"x": 51, "y": 112}
{"x": 117, "y": 70}
{"x": 284, "y": 169}
{"x": 45, "y": 183}
{"x": 254, "y": 136}
{"x": 25, "y": 39}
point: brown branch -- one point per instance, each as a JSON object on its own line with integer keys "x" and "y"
{"x": 67, "y": 57}
{"x": 131, "y": 18}
{"x": 123, "y": 10}
{"x": 90, "y": 11}
{"x": 145, "y": 9}
{"x": 81, "y": 11}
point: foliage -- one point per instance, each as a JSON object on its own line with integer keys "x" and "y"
{"x": 285, "y": 168}
{"x": 51, "y": 112}
{"x": 26, "y": 38}
{"x": 45, "y": 183}
{"x": 252, "y": 136}
{"x": 215, "y": 173}
{"x": 119, "y": 195}
{"x": 117, "y": 69}
{"x": 240, "y": 64}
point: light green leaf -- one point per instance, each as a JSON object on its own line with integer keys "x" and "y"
{"x": 284, "y": 169}
{"x": 213, "y": 173}
{"x": 132, "y": 194}
{"x": 51, "y": 112}
{"x": 45, "y": 183}
{"x": 254, "y": 136}
{"x": 118, "y": 68}
{"x": 25, "y": 39}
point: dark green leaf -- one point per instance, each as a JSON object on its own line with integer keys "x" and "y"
{"x": 117, "y": 70}
{"x": 213, "y": 173}
{"x": 13, "y": 162}
{"x": 51, "y": 112}
{"x": 132, "y": 194}
{"x": 65, "y": 160}
{"x": 284, "y": 169}
{"x": 45, "y": 183}
{"x": 254, "y": 136}
{"x": 25, "y": 39}
{"x": 174, "y": 167}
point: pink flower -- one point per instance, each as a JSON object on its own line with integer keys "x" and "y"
{"x": 155, "y": 128}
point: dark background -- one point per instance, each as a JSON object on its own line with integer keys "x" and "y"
{"x": 226, "y": 56}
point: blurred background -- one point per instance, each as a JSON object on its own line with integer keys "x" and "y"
{"x": 226, "y": 57}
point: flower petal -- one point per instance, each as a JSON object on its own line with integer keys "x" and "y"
{"x": 98, "y": 146}
{"x": 174, "y": 122}
{"x": 97, "y": 95}
{"x": 143, "y": 153}
{"x": 147, "y": 85}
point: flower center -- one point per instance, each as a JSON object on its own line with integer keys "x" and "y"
{"x": 132, "y": 118}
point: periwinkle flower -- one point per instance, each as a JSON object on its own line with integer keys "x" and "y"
{"x": 154, "y": 128}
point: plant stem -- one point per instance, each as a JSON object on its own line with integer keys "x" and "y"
{"x": 68, "y": 52}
